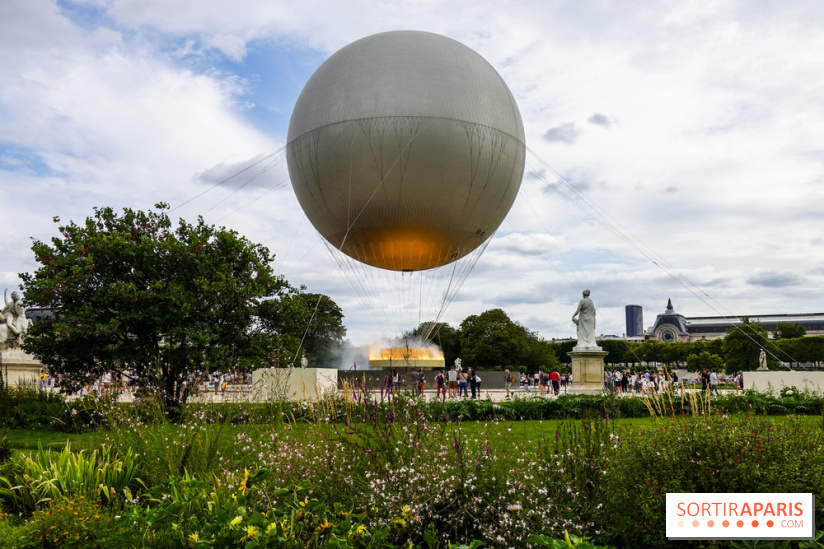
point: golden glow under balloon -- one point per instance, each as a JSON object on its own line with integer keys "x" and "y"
{"x": 400, "y": 358}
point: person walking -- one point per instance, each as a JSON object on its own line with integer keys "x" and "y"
{"x": 452, "y": 378}
{"x": 713, "y": 383}
{"x": 555, "y": 378}
{"x": 472, "y": 385}
{"x": 477, "y": 382}
{"x": 440, "y": 385}
{"x": 508, "y": 379}
{"x": 463, "y": 379}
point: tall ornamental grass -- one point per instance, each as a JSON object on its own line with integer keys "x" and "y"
{"x": 46, "y": 477}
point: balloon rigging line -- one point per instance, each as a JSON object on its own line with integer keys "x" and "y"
{"x": 598, "y": 214}
{"x": 579, "y": 286}
{"x": 308, "y": 325}
{"x": 242, "y": 206}
{"x": 254, "y": 177}
{"x": 218, "y": 184}
{"x": 554, "y": 242}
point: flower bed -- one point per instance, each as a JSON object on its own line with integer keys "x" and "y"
{"x": 365, "y": 471}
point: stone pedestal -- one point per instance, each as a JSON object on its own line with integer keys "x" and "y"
{"x": 587, "y": 370}
{"x": 22, "y": 368}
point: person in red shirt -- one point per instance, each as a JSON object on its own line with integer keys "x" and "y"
{"x": 555, "y": 377}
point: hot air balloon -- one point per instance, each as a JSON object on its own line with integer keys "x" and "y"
{"x": 406, "y": 151}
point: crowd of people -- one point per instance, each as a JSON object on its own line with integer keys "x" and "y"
{"x": 449, "y": 384}
{"x": 467, "y": 383}
{"x": 116, "y": 383}
{"x": 650, "y": 382}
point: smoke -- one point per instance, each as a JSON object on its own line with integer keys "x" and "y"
{"x": 352, "y": 358}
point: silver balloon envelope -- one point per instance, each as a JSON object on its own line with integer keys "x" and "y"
{"x": 406, "y": 150}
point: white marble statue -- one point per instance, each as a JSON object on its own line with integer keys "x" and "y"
{"x": 584, "y": 318}
{"x": 762, "y": 361}
{"x": 13, "y": 321}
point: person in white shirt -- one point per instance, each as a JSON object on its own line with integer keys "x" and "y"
{"x": 452, "y": 378}
{"x": 713, "y": 383}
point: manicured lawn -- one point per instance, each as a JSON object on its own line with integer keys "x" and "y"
{"x": 25, "y": 440}
{"x": 508, "y": 432}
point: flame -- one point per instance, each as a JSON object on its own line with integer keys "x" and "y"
{"x": 405, "y": 353}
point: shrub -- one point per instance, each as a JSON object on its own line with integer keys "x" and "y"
{"x": 700, "y": 454}
{"x": 27, "y": 407}
{"x": 185, "y": 511}
{"x": 78, "y": 522}
{"x": 10, "y": 530}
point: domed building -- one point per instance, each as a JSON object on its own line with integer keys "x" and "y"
{"x": 672, "y": 326}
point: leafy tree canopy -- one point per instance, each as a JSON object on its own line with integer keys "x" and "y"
{"x": 492, "y": 341}
{"x": 742, "y": 347}
{"x": 310, "y": 322}
{"x": 789, "y": 330}
{"x": 134, "y": 293}
{"x": 541, "y": 354}
{"x": 704, "y": 361}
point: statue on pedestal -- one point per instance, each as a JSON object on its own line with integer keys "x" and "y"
{"x": 13, "y": 321}
{"x": 584, "y": 319}
{"x": 762, "y": 361}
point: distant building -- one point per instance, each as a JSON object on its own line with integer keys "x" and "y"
{"x": 635, "y": 320}
{"x": 673, "y": 326}
{"x": 36, "y": 313}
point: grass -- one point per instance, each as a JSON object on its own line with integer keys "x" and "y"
{"x": 27, "y": 440}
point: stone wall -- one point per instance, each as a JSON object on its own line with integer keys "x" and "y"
{"x": 300, "y": 383}
{"x": 776, "y": 380}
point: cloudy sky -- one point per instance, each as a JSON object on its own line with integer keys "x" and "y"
{"x": 676, "y": 149}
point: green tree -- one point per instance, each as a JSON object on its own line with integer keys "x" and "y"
{"x": 134, "y": 293}
{"x": 803, "y": 350}
{"x": 616, "y": 349}
{"x": 443, "y": 335}
{"x": 305, "y": 324}
{"x": 652, "y": 351}
{"x": 492, "y": 341}
{"x": 704, "y": 360}
{"x": 789, "y": 330}
{"x": 541, "y": 354}
{"x": 742, "y": 347}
